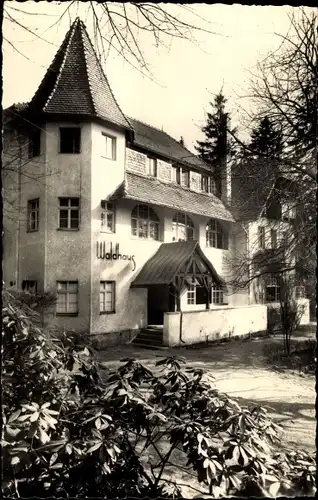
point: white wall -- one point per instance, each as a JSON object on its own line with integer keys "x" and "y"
{"x": 203, "y": 326}
{"x": 67, "y": 253}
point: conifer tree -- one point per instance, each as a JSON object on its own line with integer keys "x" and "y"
{"x": 214, "y": 147}
{"x": 266, "y": 140}
{"x": 217, "y": 147}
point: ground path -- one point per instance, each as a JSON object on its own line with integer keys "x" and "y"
{"x": 240, "y": 369}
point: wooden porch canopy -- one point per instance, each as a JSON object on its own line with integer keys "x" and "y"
{"x": 177, "y": 264}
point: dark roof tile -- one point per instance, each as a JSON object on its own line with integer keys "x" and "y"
{"x": 163, "y": 266}
{"x": 75, "y": 83}
{"x": 149, "y": 190}
{"x": 157, "y": 141}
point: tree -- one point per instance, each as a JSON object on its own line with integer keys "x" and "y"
{"x": 119, "y": 26}
{"x": 69, "y": 432}
{"x": 266, "y": 141}
{"x": 284, "y": 92}
{"x": 216, "y": 148}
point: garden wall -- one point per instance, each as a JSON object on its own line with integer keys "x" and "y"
{"x": 191, "y": 327}
{"x": 305, "y": 319}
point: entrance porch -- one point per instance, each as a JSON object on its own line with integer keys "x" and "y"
{"x": 167, "y": 274}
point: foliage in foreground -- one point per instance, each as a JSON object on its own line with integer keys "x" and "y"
{"x": 66, "y": 432}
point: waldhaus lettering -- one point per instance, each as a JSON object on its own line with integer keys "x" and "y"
{"x": 107, "y": 252}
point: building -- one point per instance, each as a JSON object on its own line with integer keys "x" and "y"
{"x": 116, "y": 217}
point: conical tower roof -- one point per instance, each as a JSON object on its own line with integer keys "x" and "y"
{"x": 75, "y": 83}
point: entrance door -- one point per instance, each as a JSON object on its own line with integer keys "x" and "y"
{"x": 158, "y": 304}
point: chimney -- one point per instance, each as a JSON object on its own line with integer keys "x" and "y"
{"x": 226, "y": 180}
{"x": 181, "y": 141}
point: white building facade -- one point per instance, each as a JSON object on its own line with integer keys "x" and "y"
{"x": 115, "y": 217}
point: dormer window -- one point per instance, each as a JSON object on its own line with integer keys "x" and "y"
{"x": 208, "y": 184}
{"x": 180, "y": 176}
{"x": 152, "y": 167}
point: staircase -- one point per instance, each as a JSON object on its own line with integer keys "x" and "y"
{"x": 150, "y": 337}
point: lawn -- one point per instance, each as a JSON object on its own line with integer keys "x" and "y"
{"x": 241, "y": 370}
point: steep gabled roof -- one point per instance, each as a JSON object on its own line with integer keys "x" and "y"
{"x": 75, "y": 83}
{"x": 159, "y": 142}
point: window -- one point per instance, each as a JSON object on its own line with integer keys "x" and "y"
{"x": 273, "y": 238}
{"x": 180, "y": 176}
{"x": 208, "y": 184}
{"x": 33, "y": 215}
{"x": 182, "y": 227}
{"x": 152, "y": 167}
{"x": 217, "y": 295}
{"x": 69, "y": 213}
{"x": 110, "y": 147}
{"x": 107, "y": 297}
{"x": 67, "y": 297}
{"x": 216, "y": 237}
{"x": 29, "y": 286}
{"x": 70, "y": 140}
{"x": 191, "y": 295}
{"x": 197, "y": 294}
{"x": 35, "y": 143}
{"x": 144, "y": 223}
{"x": 288, "y": 211}
{"x": 185, "y": 177}
{"x": 272, "y": 290}
{"x": 261, "y": 237}
{"x": 107, "y": 217}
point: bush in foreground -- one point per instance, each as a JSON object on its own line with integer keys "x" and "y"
{"x": 67, "y": 433}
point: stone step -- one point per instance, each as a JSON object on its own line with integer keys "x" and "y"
{"x": 149, "y": 337}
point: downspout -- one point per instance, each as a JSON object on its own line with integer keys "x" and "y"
{"x": 180, "y": 332}
{"x": 180, "y": 311}
{"x": 249, "y": 267}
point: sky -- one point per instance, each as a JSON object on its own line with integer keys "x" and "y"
{"x": 184, "y": 75}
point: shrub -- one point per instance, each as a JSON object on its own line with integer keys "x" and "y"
{"x": 273, "y": 319}
{"x": 67, "y": 432}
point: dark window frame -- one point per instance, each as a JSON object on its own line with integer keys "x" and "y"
{"x": 66, "y": 293}
{"x": 104, "y": 292}
{"x": 27, "y": 284}
{"x": 34, "y": 144}
{"x": 144, "y": 218}
{"x": 33, "y": 211}
{"x": 108, "y": 208}
{"x": 183, "y": 220}
{"x": 155, "y": 166}
{"x": 70, "y": 144}
{"x": 113, "y": 155}
{"x": 216, "y": 236}
{"x": 69, "y": 208}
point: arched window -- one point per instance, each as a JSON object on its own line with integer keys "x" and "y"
{"x": 144, "y": 223}
{"x": 182, "y": 227}
{"x": 216, "y": 236}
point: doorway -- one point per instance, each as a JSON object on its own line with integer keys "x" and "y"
{"x": 158, "y": 303}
